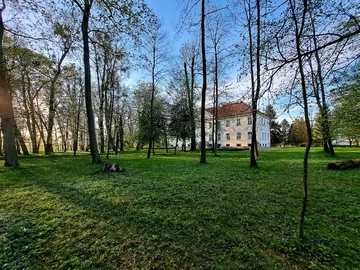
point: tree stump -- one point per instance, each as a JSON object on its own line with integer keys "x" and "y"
{"x": 112, "y": 167}
{"x": 344, "y": 165}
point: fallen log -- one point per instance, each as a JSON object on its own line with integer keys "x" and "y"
{"x": 112, "y": 167}
{"x": 344, "y": 165}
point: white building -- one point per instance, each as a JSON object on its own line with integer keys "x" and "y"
{"x": 235, "y": 126}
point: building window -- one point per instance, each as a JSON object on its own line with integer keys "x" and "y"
{"x": 228, "y": 136}
{"x": 238, "y": 122}
{"x": 210, "y": 125}
{"x": 227, "y": 123}
{"x": 219, "y": 124}
{"x": 249, "y": 121}
{"x": 249, "y": 135}
{"x": 238, "y": 136}
{"x": 228, "y": 145}
{"x": 219, "y": 136}
{"x": 210, "y": 138}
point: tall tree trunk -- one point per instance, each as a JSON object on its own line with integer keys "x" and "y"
{"x": 192, "y": 113}
{"x": 111, "y": 113}
{"x": 298, "y": 33}
{"x": 101, "y": 122}
{"x": 166, "y": 142}
{"x": 30, "y": 111}
{"x": 121, "y": 133}
{"x": 176, "y": 144}
{"x": 328, "y": 146}
{"x": 253, "y": 163}
{"x": 89, "y": 110}
{"x": 33, "y": 134}
{"x": 82, "y": 135}
{"x": 32, "y": 117}
{"x": 216, "y": 118}
{"x": 203, "y": 92}
{"x": 254, "y": 90}
{"x": 152, "y": 100}
{"x": 190, "y": 96}
{"x": 77, "y": 126}
{"x": 76, "y": 134}
{"x": 1, "y": 151}
{"x": 26, "y": 107}
{"x": 101, "y": 127}
{"x": 216, "y": 98}
{"x": 6, "y": 106}
{"x": 101, "y": 92}
{"x": 18, "y": 147}
{"x": 40, "y": 126}
{"x": 258, "y": 70}
{"x": 213, "y": 123}
{"x": 21, "y": 141}
{"x": 117, "y": 141}
{"x": 50, "y": 125}
{"x": 66, "y": 135}
{"x": 48, "y": 146}
{"x": 62, "y": 134}
{"x": 56, "y": 144}
{"x": 109, "y": 103}
{"x": 321, "y": 97}
{"x": 7, "y": 122}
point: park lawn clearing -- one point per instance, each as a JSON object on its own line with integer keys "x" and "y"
{"x": 170, "y": 212}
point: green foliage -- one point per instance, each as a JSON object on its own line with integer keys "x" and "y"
{"x": 146, "y": 131}
{"x": 284, "y": 131}
{"x": 21, "y": 57}
{"x": 346, "y": 112}
{"x": 317, "y": 131}
{"x": 63, "y": 31}
{"x": 275, "y": 128}
{"x": 172, "y": 213}
{"x": 180, "y": 125}
{"x": 297, "y": 132}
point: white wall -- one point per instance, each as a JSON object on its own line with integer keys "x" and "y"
{"x": 263, "y": 132}
{"x": 230, "y": 127}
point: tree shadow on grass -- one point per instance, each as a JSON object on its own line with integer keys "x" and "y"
{"x": 155, "y": 222}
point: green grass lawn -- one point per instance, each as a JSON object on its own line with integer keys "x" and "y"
{"x": 170, "y": 212}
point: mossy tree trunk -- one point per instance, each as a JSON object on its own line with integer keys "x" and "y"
{"x": 6, "y": 107}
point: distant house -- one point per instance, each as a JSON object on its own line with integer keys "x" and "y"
{"x": 235, "y": 126}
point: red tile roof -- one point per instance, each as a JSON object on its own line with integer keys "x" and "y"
{"x": 232, "y": 109}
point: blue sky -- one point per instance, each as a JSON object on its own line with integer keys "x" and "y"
{"x": 168, "y": 12}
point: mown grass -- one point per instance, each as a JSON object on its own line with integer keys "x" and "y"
{"x": 170, "y": 212}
